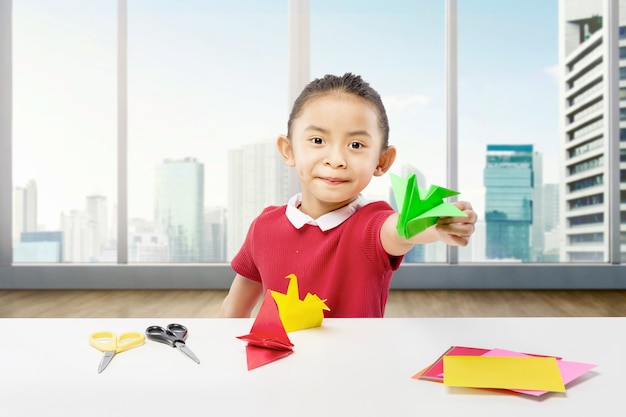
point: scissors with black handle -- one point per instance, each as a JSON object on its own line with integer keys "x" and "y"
{"x": 173, "y": 335}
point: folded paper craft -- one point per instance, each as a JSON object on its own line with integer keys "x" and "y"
{"x": 299, "y": 314}
{"x": 418, "y": 208}
{"x": 267, "y": 340}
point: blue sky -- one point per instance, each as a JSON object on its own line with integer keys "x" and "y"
{"x": 205, "y": 76}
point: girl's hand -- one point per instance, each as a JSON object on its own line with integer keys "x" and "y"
{"x": 456, "y": 231}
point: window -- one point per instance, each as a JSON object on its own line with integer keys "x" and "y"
{"x": 64, "y": 131}
{"x": 586, "y": 183}
{"x": 587, "y": 238}
{"x": 403, "y": 59}
{"x": 592, "y": 200}
{"x": 145, "y": 76}
{"x": 196, "y": 97}
{"x": 586, "y": 147}
{"x": 586, "y": 165}
{"x": 586, "y": 219}
{"x": 508, "y": 124}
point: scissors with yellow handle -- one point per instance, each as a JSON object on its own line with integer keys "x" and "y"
{"x": 109, "y": 343}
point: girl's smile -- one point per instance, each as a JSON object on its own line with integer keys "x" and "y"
{"x": 333, "y": 181}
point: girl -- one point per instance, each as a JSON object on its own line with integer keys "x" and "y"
{"x": 340, "y": 247}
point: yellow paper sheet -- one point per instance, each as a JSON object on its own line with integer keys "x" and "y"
{"x": 529, "y": 373}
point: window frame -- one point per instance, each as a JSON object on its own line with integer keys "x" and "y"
{"x": 448, "y": 275}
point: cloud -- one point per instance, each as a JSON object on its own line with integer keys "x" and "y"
{"x": 402, "y": 103}
{"x": 554, "y": 72}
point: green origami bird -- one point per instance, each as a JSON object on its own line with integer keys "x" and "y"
{"x": 418, "y": 209}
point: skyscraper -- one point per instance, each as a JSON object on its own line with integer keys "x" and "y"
{"x": 96, "y": 209}
{"x": 513, "y": 203}
{"x": 179, "y": 207}
{"x": 586, "y": 139}
{"x": 551, "y": 223}
{"x": 75, "y": 229}
{"x": 215, "y": 234}
{"x": 24, "y": 210}
{"x": 551, "y": 207}
{"x": 258, "y": 177}
{"x": 39, "y": 247}
{"x": 147, "y": 243}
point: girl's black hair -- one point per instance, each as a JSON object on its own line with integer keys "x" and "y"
{"x": 348, "y": 83}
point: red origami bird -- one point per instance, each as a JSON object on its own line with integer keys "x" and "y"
{"x": 267, "y": 340}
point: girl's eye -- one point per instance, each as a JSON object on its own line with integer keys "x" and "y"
{"x": 317, "y": 141}
{"x": 356, "y": 145}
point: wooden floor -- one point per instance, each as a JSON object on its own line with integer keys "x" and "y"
{"x": 402, "y": 303}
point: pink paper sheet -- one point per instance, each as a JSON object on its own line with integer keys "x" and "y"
{"x": 569, "y": 370}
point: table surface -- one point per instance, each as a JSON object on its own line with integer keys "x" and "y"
{"x": 346, "y": 367}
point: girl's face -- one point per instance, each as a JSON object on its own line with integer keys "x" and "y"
{"x": 336, "y": 148}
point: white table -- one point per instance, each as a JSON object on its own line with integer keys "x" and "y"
{"x": 351, "y": 367}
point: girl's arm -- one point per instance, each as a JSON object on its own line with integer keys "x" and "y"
{"x": 242, "y": 297}
{"x": 450, "y": 230}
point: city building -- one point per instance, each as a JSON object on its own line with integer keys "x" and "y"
{"x": 215, "y": 234}
{"x": 257, "y": 178}
{"x": 551, "y": 207}
{"x": 587, "y": 87}
{"x": 179, "y": 207}
{"x": 551, "y": 223}
{"x": 76, "y": 233}
{"x": 147, "y": 243}
{"x": 96, "y": 210}
{"x": 148, "y": 248}
{"x": 24, "y": 210}
{"x": 39, "y": 247}
{"x": 513, "y": 212}
{"x": 85, "y": 233}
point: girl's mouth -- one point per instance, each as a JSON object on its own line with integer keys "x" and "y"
{"x": 333, "y": 181}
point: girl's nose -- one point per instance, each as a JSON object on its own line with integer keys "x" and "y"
{"x": 335, "y": 159}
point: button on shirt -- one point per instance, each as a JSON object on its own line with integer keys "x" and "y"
{"x": 325, "y": 222}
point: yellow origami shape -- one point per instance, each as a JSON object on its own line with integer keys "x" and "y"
{"x": 299, "y": 314}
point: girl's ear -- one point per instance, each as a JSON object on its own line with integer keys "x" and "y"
{"x": 285, "y": 149}
{"x": 387, "y": 157}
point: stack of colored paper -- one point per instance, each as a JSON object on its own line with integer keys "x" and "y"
{"x": 523, "y": 373}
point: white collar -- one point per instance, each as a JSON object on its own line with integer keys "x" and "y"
{"x": 325, "y": 222}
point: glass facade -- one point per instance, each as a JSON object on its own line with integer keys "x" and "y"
{"x": 206, "y": 79}
{"x": 508, "y": 94}
{"x": 510, "y": 205}
{"x": 179, "y": 208}
{"x": 39, "y": 247}
{"x": 64, "y": 123}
